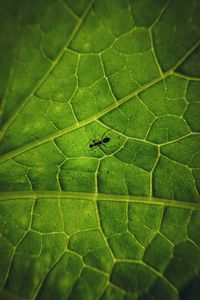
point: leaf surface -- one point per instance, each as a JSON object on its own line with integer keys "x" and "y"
{"x": 119, "y": 221}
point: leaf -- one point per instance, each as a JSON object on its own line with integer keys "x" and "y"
{"x": 119, "y": 221}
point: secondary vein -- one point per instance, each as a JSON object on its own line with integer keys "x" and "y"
{"x": 52, "y": 66}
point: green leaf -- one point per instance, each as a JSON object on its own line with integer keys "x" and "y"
{"x": 119, "y": 221}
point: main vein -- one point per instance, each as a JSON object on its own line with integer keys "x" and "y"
{"x": 61, "y": 132}
{"x": 96, "y": 197}
{"x": 114, "y": 105}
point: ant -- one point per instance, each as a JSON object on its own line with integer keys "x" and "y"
{"x": 99, "y": 143}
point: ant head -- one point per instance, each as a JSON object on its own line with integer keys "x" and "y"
{"x": 90, "y": 145}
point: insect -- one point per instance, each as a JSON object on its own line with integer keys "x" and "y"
{"x": 99, "y": 143}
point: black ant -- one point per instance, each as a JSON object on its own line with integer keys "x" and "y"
{"x": 99, "y": 143}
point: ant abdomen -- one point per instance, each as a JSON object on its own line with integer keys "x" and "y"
{"x": 106, "y": 140}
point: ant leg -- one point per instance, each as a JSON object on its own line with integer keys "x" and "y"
{"x": 91, "y": 143}
{"x": 105, "y": 134}
{"x": 92, "y": 140}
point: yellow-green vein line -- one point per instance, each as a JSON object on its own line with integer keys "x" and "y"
{"x": 52, "y": 66}
{"x": 98, "y": 197}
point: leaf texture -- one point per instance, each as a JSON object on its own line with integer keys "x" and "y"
{"x": 119, "y": 221}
